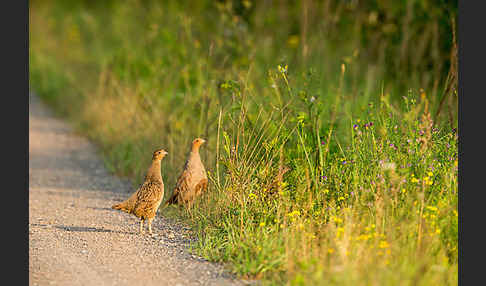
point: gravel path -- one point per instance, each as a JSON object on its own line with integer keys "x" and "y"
{"x": 75, "y": 238}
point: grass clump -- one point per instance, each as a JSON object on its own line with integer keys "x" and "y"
{"x": 377, "y": 205}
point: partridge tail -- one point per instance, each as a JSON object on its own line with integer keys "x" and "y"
{"x": 172, "y": 200}
{"x": 121, "y": 206}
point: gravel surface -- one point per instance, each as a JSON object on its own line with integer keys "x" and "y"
{"x": 75, "y": 238}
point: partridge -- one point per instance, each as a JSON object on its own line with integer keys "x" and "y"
{"x": 193, "y": 181}
{"x": 145, "y": 202}
{"x": 276, "y": 185}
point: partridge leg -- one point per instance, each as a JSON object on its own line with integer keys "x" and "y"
{"x": 149, "y": 221}
{"x": 141, "y": 227}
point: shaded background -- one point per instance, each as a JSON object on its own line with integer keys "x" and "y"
{"x": 386, "y": 45}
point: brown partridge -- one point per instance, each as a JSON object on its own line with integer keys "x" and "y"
{"x": 145, "y": 202}
{"x": 193, "y": 181}
{"x": 276, "y": 185}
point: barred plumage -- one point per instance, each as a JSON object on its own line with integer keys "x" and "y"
{"x": 193, "y": 181}
{"x": 145, "y": 202}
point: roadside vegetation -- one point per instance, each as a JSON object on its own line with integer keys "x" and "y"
{"x": 331, "y": 126}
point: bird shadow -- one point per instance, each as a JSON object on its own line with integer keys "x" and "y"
{"x": 101, "y": 209}
{"x": 90, "y": 229}
{"x": 39, "y": 224}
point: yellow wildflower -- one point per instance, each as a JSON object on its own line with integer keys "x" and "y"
{"x": 363, "y": 237}
{"x": 293, "y": 41}
{"x": 336, "y": 219}
{"x": 339, "y": 232}
{"x": 247, "y": 4}
{"x": 294, "y": 213}
{"x": 383, "y": 244}
{"x": 282, "y": 69}
{"x": 310, "y": 235}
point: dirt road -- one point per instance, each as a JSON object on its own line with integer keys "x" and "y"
{"x": 75, "y": 238}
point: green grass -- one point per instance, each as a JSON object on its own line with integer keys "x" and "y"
{"x": 371, "y": 194}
